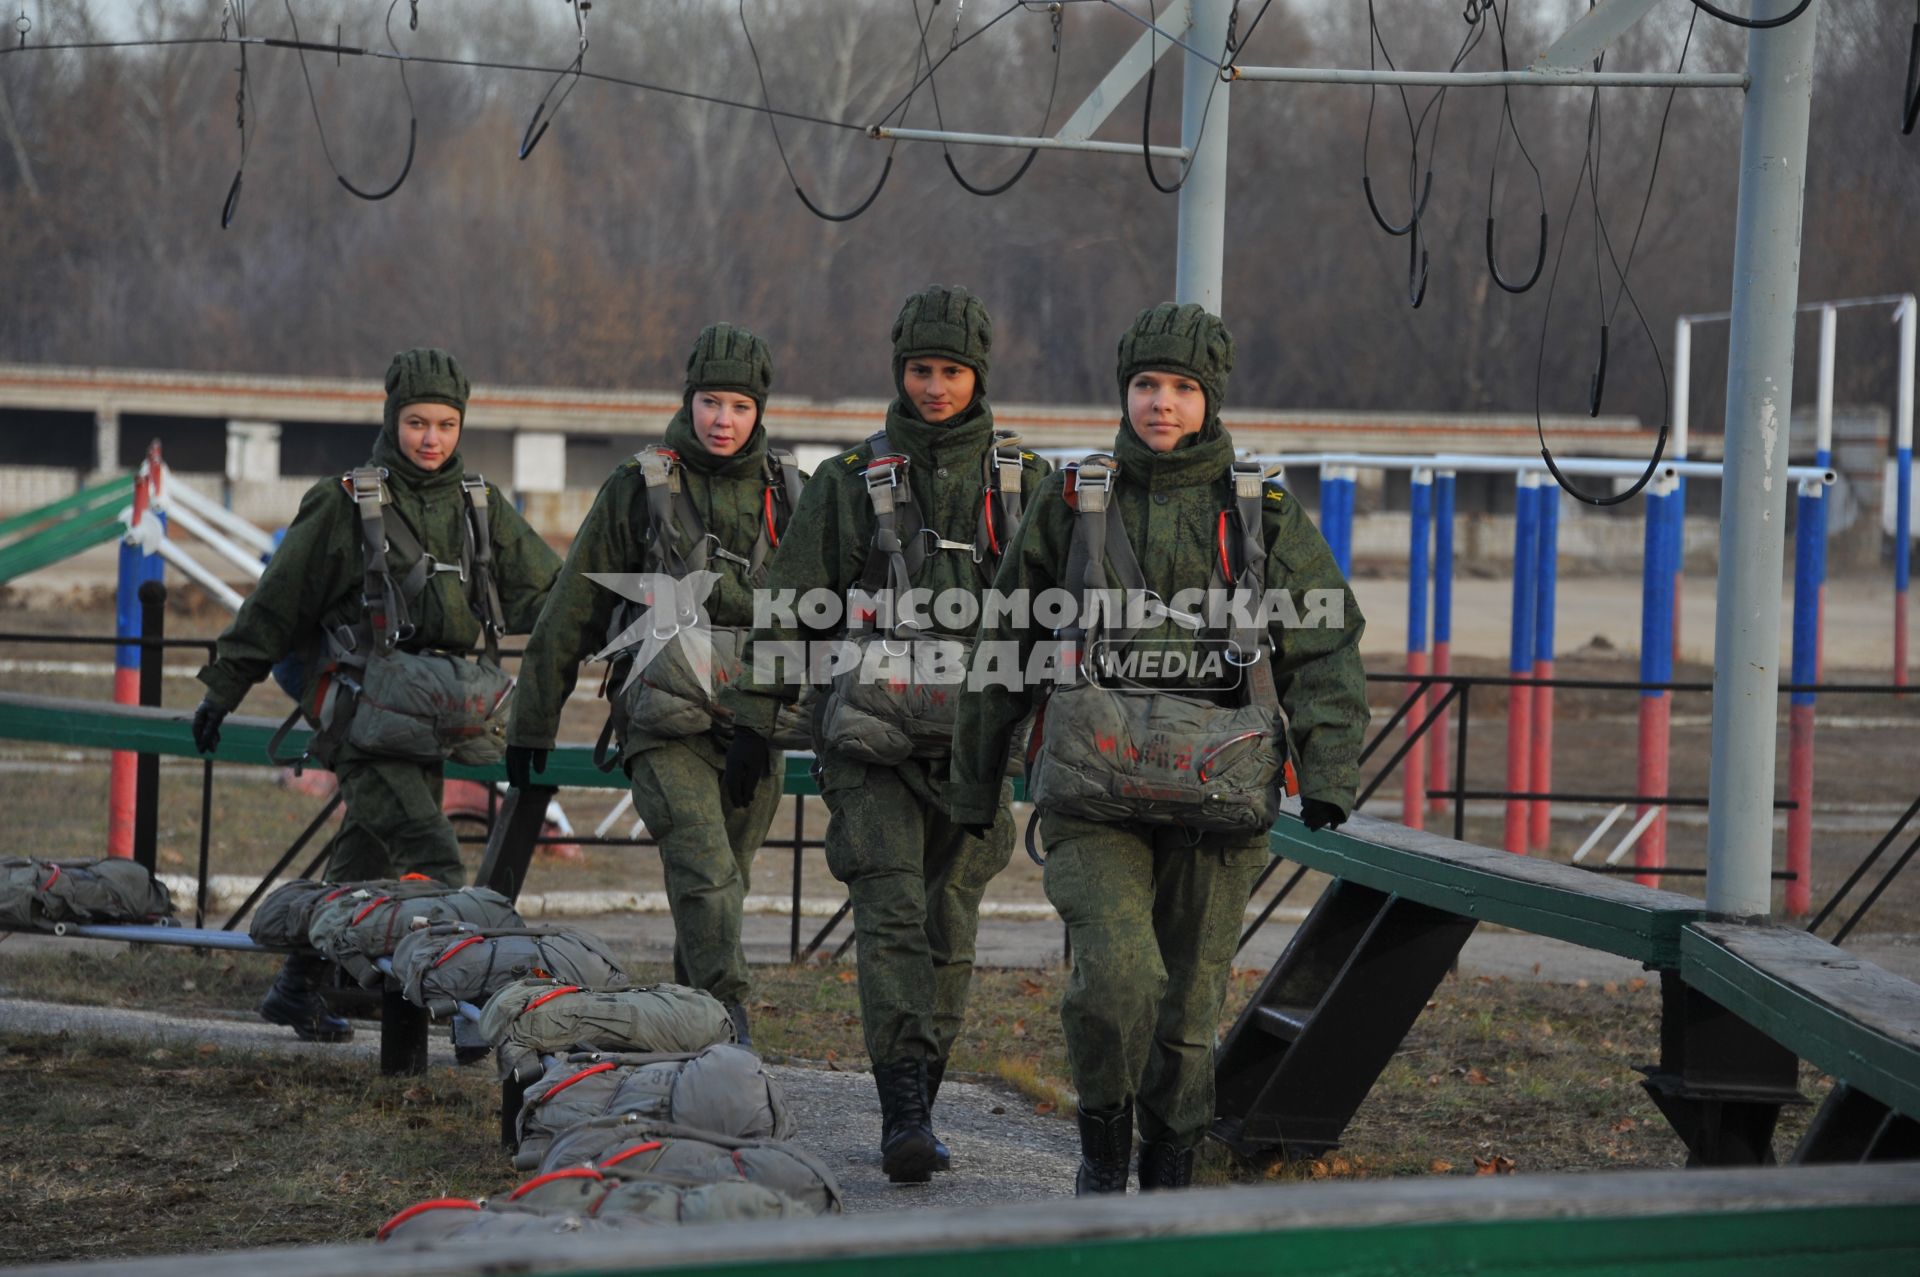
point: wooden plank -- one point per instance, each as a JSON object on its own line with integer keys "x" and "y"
{"x": 1840, "y": 1013}
{"x": 1745, "y": 1222}
{"x": 1495, "y": 886}
{"x": 86, "y": 724}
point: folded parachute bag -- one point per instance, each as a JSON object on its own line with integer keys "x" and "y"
{"x": 531, "y": 1018}
{"x": 445, "y": 1221}
{"x": 723, "y": 1089}
{"x": 359, "y": 928}
{"x": 448, "y": 963}
{"x": 633, "y": 1149}
{"x": 285, "y": 917}
{"x": 40, "y": 893}
{"x": 586, "y": 1193}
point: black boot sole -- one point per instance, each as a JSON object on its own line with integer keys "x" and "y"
{"x": 912, "y": 1160}
{"x": 305, "y": 1030}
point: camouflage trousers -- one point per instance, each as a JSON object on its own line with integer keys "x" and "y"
{"x": 393, "y": 824}
{"x": 1154, "y": 920}
{"x": 707, "y": 850}
{"x": 915, "y": 880}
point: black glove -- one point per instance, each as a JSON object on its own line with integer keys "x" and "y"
{"x": 207, "y": 718}
{"x": 1315, "y": 814}
{"x": 522, "y": 762}
{"x": 749, "y": 759}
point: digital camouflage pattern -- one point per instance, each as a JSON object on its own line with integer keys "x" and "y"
{"x": 728, "y": 493}
{"x": 393, "y": 823}
{"x": 1170, "y": 504}
{"x": 707, "y": 849}
{"x": 915, "y": 878}
{"x": 1154, "y": 915}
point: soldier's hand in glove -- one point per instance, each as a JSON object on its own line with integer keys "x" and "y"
{"x": 522, "y": 762}
{"x": 982, "y": 832}
{"x": 207, "y": 718}
{"x": 1315, "y": 814}
{"x": 749, "y": 759}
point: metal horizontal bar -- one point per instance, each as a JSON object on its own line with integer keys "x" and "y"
{"x": 1601, "y": 800}
{"x": 1845, "y": 303}
{"x": 1022, "y": 143}
{"x": 1623, "y": 467}
{"x": 1494, "y": 79}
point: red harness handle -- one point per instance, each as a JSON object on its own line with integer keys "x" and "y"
{"x": 457, "y": 948}
{"x": 635, "y": 1151}
{"x": 545, "y": 997}
{"x": 421, "y": 1208}
{"x": 583, "y": 1073}
{"x": 572, "y": 1172}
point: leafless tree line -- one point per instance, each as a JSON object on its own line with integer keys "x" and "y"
{"x": 640, "y": 215}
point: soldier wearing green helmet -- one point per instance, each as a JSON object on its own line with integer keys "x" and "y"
{"x": 456, "y": 561}
{"x": 1152, "y": 881}
{"x": 927, "y": 503}
{"x": 707, "y": 507}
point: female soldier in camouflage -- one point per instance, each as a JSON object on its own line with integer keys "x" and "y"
{"x": 1154, "y": 912}
{"x": 952, "y": 490}
{"x": 316, "y": 580}
{"x": 717, "y": 454}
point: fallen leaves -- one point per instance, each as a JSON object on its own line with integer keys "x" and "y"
{"x": 1044, "y": 1107}
{"x": 1031, "y": 988}
{"x": 1495, "y": 1165}
{"x": 848, "y": 976}
{"x": 1439, "y": 1167}
{"x": 1019, "y": 1029}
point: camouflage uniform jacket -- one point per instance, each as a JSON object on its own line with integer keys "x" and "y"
{"x": 727, "y": 493}
{"x": 826, "y": 548}
{"x": 317, "y": 575}
{"x": 1170, "y": 504}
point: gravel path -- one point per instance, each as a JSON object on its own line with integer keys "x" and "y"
{"x": 1002, "y": 1151}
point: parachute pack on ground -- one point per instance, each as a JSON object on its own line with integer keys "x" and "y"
{"x": 40, "y": 893}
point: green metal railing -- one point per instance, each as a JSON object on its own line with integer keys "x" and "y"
{"x": 60, "y": 529}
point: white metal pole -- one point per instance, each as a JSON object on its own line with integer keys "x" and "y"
{"x": 1682, "y": 383}
{"x": 1201, "y": 253}
{"x": 1823, "y": 416}
{"x": 1753, "y": 502}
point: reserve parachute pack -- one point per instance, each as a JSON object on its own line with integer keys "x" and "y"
{"x": 901, "y": 700}
{"x": 608, "y": 1152}
{"x": 364, "y": 687}
{"x": 443, "y": 965}
{"x": 541, "y": 1015}
{"x": 593, "y": 1204}
{"x": 1121, "y": 752}
{"x": 724, "y": 1089}
{"x": 41, "y": 894}
{"x": 359, "y": 924}
{"x": 670, "y": 697}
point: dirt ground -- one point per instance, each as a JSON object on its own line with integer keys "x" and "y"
{"x": 115, "y": 1151}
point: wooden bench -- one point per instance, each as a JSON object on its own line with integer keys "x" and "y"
{"x": 1324, "y": 1023}
{"x": 1842, "y": 1014}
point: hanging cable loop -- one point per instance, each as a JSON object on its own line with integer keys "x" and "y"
{"x": 236, "y": 12}
{"x": 1053, "y": 11}
{"x": 537, "y": 126}
{"x": 313, "y": 101}
{"x": 773, "y": 123}
{"x": 1507, "y": 122}
{"x": 1750, "y": 24}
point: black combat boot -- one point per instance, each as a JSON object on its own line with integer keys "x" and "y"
{"x": 1106, "y": 1149}
{"x": 738, "y": 1014}
{"x": 1164, "y": 1166}
{"x": 295, "y": 1001}
{"x": 936, "y": 1070}
{"x": 908, "y": 1151}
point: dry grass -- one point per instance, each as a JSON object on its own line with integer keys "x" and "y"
{"x": 112, "y": 1150}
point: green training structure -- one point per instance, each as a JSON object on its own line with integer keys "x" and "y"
{"x": 40, "y": 538}
{"x": 1863, "y": 1221}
